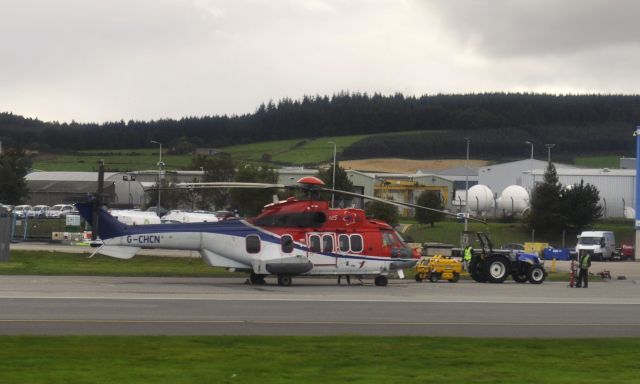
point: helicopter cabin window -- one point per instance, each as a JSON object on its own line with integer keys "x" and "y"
{"x": 253, "y": 243}
{"x": 356, "y": 243}
{"x": 327, "y": 243}
{"x": 314, "y": 243}
{"x": 287, "y": 243}
{"x": 343, "y": 242}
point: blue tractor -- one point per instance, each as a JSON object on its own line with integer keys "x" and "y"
{"x": 495, "y": 266}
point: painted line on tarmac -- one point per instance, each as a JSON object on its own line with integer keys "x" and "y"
{"x": 270, "y": 322}
{"x": 320, "y": 300}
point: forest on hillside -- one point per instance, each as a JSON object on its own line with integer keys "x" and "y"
{"x": 497, "y": 123}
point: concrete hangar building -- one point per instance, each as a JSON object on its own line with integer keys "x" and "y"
{"x": 397, "y": 186}
{"x": 52, "y": 188}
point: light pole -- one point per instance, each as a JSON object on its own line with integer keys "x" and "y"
{"x": 531, "y": 166}
{"x": 160, "y": 164}
{"x": 549, "y": 146}
{"x": 334, "y": 170}
{"x": 466, "y": 187}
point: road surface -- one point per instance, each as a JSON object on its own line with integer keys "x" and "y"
{"x": 312, "y": 306}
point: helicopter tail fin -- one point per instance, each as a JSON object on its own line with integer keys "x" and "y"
{"x": 109, "y": 227}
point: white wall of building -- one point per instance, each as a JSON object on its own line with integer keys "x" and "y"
{"x": 499, "y": 176}
{"x": 616, "y": 186}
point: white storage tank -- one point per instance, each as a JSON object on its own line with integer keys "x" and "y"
{"x": 514, "y": 200}
{"x": 480, "y": 199}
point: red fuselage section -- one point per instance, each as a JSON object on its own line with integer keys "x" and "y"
{"x": 300, "y": 218}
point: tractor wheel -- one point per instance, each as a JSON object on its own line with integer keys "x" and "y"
{"x": 381, "y": 281}
{"x": 537, "y": 275}
{"x": 475, "y": 270}
{"x": 284, "y": 280}
{"x": 419, "y": 278}
{"x": 455, "y": 278}
{"x": 434, "y": 277}
{"x": 496, "y": 269}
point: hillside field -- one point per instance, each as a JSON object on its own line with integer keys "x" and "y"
{"x": 295, "y": 152}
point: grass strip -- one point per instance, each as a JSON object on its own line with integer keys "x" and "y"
{"x": 72, "y": 264}
{"x": 352, "y": 359}
{"x": 59, "y": 263}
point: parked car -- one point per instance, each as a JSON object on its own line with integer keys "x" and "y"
{"x": 7, "y": 207}
{"x": 38, "y": 211}
{"x": 21, "y": 211}
{"x": 60, "y": 210}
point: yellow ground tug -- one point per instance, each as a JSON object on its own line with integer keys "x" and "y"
{"x": 438, "y": 268}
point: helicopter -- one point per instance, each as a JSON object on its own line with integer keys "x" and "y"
{"x": 292, "y": 237}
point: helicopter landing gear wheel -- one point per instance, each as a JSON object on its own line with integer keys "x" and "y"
{"x": 284, "y": 280}
{"x": 256, "y": 279}
{"x": 381, "y": 281}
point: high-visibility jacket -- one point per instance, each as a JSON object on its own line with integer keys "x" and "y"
{"x": 467, "y": 254}
{"x": 585, "y": 261}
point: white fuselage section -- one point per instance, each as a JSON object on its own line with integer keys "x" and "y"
{"x": 228, "y": 247}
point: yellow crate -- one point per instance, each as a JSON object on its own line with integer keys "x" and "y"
{"x": 537, "y": 248}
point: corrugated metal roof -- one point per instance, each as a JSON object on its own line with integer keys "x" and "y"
{"x": 589, "y": 172}
{"x": 65, "y": 186}
{"x": 526, "y": 164}
{"x": 69, "y": 176}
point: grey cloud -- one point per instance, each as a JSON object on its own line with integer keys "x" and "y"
{"x": 508, "y": 28}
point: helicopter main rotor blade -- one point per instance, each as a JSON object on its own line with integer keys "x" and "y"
{"x": 396, "y": 203}
{"x": 220, "y": 184}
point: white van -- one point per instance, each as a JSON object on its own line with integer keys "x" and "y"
{"x": 602, "y": 244}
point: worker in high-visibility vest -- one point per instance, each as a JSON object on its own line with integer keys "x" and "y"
{"x": 468, "y": 251}
{"x": 584, "y": 263}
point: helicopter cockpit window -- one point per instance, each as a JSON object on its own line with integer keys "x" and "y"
{"x": 314, "y": 243}
{"x": 327, "y": 243}
{"x": 253, "y": 243}
{"x": 356, "y": 243}
{"x": 387, "y": 239}
{"x": 287, "y": 244}
{"x": 343, "y": 242}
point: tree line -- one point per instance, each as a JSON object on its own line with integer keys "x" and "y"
{"x": 566, "y": 120}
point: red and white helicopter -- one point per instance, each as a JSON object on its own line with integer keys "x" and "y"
{"x": 289, "y": 238}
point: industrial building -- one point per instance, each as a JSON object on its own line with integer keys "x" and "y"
{"x": 50, "y": 188}
{"x": 616, "y": 186}
{"x": 500, "y": 176}
{"x": 149, "y": 178}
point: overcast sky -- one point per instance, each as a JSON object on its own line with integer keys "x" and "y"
{"x": 149, "y": 59}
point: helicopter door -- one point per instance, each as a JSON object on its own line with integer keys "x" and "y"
{"x": 348, "y": 245}
{"x": 322, "y": 243}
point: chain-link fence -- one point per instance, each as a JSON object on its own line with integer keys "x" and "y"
{"x": 42, "y": 229}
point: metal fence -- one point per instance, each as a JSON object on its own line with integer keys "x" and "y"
{"x": 34, "y": 229}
